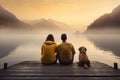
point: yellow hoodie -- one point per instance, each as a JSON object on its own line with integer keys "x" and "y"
{"x": 48, "y": 52}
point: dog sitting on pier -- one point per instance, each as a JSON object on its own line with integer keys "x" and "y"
{"x": 83, "y": 58}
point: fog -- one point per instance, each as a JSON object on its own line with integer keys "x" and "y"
{"x": 106, "y": 42}
{"x": 16, "y": 47}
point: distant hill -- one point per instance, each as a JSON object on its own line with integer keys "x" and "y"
{"x": 44, "y": 24}
{"x": 9, "y": 20}
{"x": 60, "y": 24}
{"x": 49, "y": 24}
{"x": 106, "y": 23}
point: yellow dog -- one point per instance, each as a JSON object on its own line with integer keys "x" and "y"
{"x": 83, "y": 58}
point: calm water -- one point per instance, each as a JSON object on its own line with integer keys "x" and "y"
{"x": 15, "y": 48}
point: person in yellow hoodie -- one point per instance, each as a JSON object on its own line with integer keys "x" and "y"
{"x": 48, "y": 51}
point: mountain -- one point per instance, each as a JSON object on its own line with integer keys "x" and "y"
{"x": 44, "y": 24}
{"x": 107, "y": 23}
{"x": 9, "y": 20}
{"x": 49, "y": 24}
{"x": 59, "y": 24}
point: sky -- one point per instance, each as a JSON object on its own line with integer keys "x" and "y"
{"x": 73, "y": 12}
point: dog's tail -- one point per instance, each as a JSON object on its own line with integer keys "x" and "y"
{"x": 86, "y": 66}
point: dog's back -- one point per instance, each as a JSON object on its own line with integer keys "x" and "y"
{"x": 83, "y": 58}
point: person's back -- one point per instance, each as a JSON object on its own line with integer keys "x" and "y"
{"x": 65, "y": 51}
{"x": 48, "y": 52}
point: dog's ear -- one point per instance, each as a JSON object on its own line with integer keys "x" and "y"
{"x": 79, "y": 48}
{"x": 85, "y": 49}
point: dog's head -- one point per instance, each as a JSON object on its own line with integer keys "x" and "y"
{"x": 82, "y": 49}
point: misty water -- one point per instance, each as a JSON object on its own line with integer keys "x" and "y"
{"x": 15, "y": 48}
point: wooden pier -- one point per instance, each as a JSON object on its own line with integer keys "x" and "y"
{"x": 34, "y": 70}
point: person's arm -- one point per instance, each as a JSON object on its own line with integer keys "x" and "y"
{"x": 55, "y": 47}
{"x": 56, "y": 50}
{"x": 42, "y": 50}
{"x": 73, "y": 50}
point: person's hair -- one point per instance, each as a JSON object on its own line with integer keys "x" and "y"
{"x": 50, "y": 37}
{"x": 63, "y": 37}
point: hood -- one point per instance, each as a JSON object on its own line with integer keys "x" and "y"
{"x": 49, "y": 42}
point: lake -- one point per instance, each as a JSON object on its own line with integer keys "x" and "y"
{"x": 15, "y": 48}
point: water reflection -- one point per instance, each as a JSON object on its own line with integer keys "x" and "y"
{"x": 26, "y": 52}
{"x": 96, "y": 53}
{"x": 9, "y": 42}
{"x": 27, "y": 48}
{"x": 109, "y": 44}
{"x": 106, "y": 42}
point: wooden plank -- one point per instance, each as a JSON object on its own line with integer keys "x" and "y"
{"x": 34, "y": 70}
{"x": 59, "y": 72}
{"x": 60, "y": 75}
{"x": 37, "y": 65}
{"x": 59, "y": 78}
